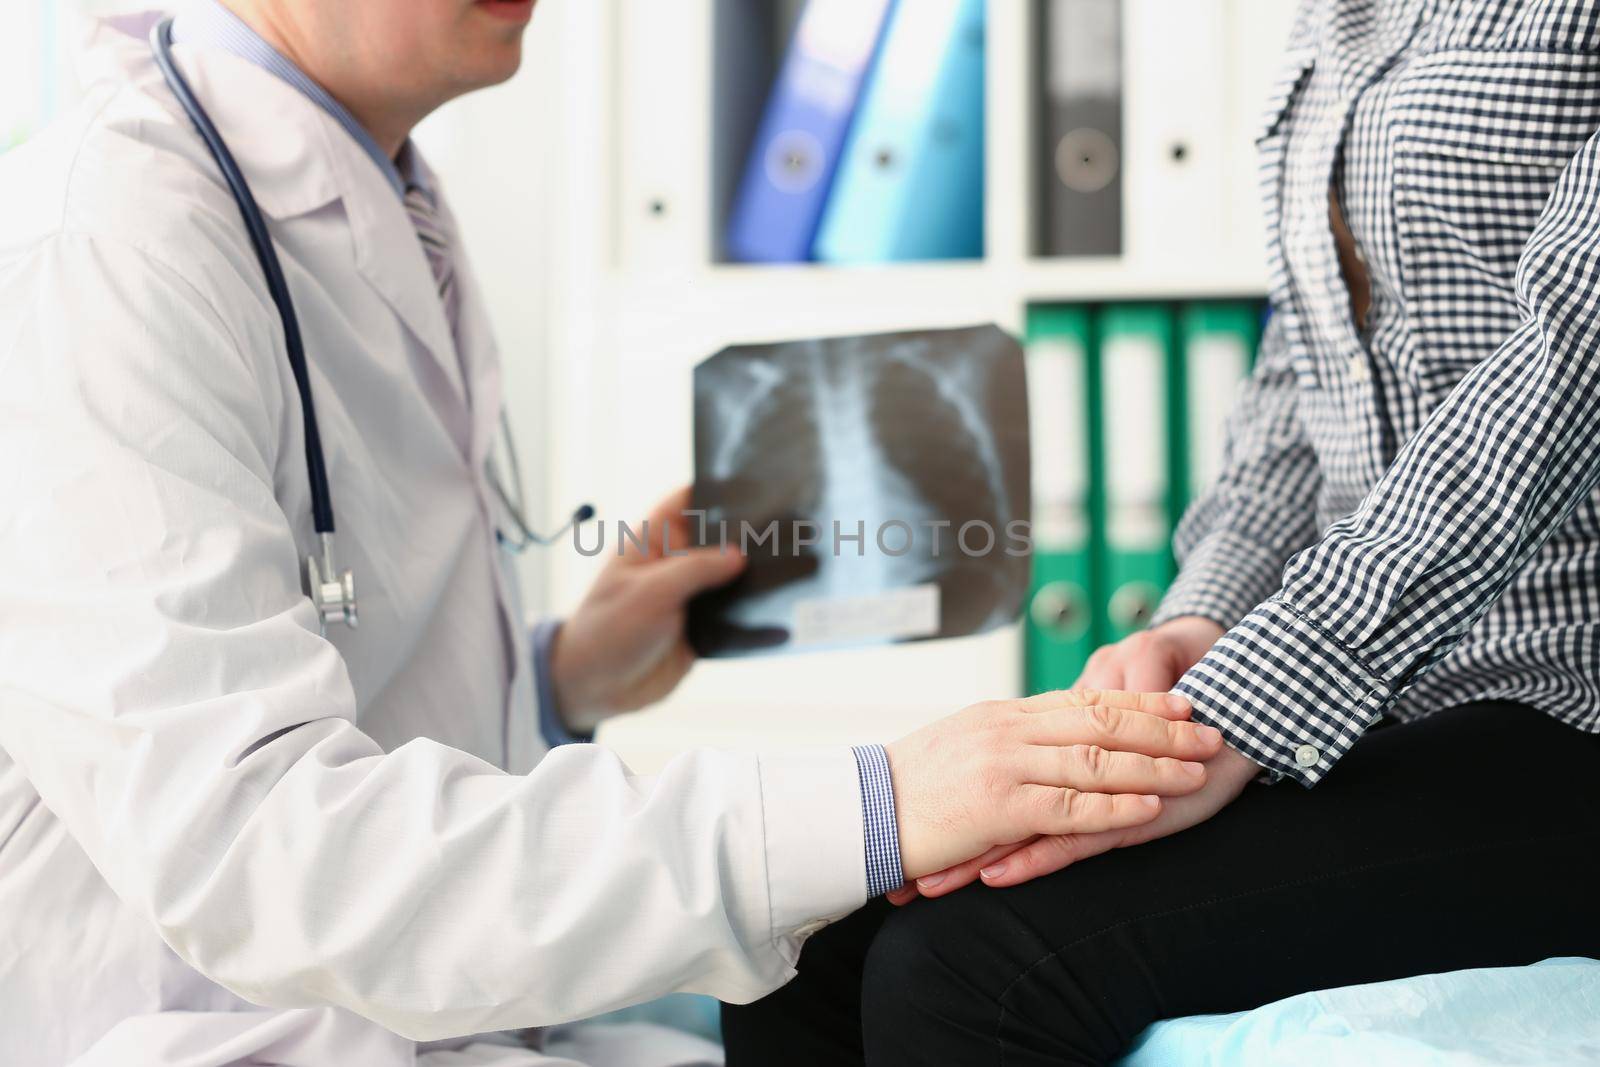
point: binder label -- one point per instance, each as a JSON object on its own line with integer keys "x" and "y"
{"x": 1217, "y": 364}
{"x": 1057, "y": 440}
{"x": 1135, "y": 426}
{"x": 1086, "y": 49}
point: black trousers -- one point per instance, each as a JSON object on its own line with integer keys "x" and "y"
{"x": 1468, "y": 839}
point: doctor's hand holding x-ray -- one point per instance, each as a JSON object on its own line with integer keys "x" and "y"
{"x": 624, "y": 648}
{"x": 227, "y": 836}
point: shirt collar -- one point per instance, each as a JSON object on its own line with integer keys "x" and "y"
{"x": 208, "y": 24}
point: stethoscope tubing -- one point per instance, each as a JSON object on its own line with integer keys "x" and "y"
{"x": 316, "y": 467}
{"x": 255, "y": 224}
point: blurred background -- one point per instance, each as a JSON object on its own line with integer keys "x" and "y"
{"x": 667, "y": 177}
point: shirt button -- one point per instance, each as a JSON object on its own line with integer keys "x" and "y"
{"x": 1359, "y": 371}
{"x": 1306, "y": 756}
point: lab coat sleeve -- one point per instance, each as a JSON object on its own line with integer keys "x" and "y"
{"x": 163, "y": 686}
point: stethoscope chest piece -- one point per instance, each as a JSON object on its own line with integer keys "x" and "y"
{"x": 333, "y": 593}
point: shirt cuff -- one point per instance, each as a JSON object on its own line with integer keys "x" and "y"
{"x": 882, "y": 829}
{"x": 815, "y": 870}
{"x": 551, "y": 725}
{"x": 1285, "y": 693}
{"x": 1221, "y": 578}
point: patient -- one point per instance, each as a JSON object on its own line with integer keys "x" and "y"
{"x": 1391, "y": 594}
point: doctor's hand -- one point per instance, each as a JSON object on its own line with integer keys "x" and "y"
{"x": 1148, "y": 661}
{"x": 624, "y": 647}
{"x": 1066, "y": 763}
{"x": 1227, "y": 774}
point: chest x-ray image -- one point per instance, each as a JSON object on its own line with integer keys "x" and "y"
{"x": 879, "y": 486}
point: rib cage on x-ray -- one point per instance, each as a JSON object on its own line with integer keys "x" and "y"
{"x": 890, "y": 433}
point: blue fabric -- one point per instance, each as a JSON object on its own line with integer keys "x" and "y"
{"x": 207, "y": 23}
{"x": 693, "y": 1013}
{"x": 550, "y": 724}
{"x": 1546, "y": 1015}
{"x": 878, "y": 820}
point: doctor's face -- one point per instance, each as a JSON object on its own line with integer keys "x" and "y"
{"x": 435, "y": 49}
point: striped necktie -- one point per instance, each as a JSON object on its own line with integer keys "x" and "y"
{"x": 435, "y": 240}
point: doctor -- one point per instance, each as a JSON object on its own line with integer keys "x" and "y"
{"x": 226, "y": 837}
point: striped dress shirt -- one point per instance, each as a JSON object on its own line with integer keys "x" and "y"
{"x": 1407, "y": 519}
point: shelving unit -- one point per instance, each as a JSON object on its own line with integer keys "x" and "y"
{"x": 639, "y": 296}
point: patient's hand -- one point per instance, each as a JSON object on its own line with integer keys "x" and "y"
{"x": 1060, "y": 763}
{"x": 1227, "y": 773}
{"x": 1152, "y": 661}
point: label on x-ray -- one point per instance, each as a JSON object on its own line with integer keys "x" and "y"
{"x": 895, "y": 615}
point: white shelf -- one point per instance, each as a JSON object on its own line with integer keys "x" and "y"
{"x": 1031, "y": 280}
{"x": 636, "y": 301}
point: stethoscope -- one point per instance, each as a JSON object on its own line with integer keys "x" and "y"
{"x": 332, "y": 591}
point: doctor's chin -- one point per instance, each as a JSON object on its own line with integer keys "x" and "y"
{"x": 750, "y": 533}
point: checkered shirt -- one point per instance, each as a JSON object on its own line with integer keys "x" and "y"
{"x": 1408, "y": 519}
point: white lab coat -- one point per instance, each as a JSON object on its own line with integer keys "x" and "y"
{"x": 222, "y": 837}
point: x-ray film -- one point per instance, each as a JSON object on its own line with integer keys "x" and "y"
{"x": 879, "y": 486}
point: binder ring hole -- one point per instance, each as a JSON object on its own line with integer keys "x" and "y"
{"x": 794, "y": 161}
{"x": 1133, "y": 605}
{"x": 1086, "y": 160}
{"x": 1061, "y": 609}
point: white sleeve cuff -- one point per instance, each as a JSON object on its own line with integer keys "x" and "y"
{"x": 816, "y": 855}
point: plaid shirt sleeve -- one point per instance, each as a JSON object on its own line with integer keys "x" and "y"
{"x": 1497, "y": 467}
{"x": 1234, "y": 541}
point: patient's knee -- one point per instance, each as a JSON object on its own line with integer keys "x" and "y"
{"x": 952, "y": 977}
{"x": 923, "y": 977}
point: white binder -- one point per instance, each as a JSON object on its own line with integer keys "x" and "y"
{"x": 1175, "y": 140}
{"x": 662, "y": 175}
{"x": 1256, "y": 33}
